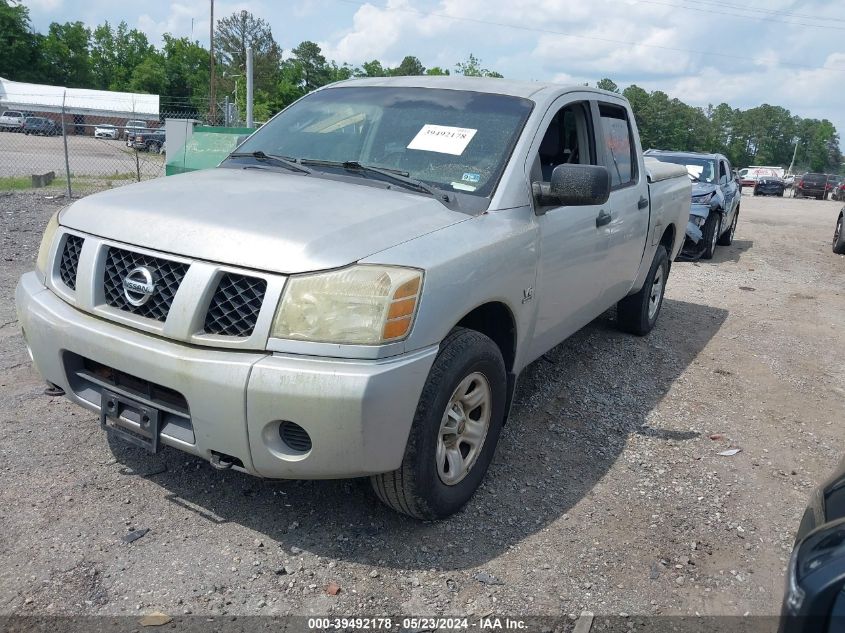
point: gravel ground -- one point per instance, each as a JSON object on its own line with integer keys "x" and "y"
{"x": 607, "y": 493}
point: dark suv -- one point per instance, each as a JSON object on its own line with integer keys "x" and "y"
{"x": 716, "y": 196}
{"x": 816, "y": 186}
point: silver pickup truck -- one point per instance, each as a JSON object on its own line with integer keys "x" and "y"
{"x": 355, "y": 290}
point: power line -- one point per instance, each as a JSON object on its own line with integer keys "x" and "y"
{"x": 518, "y": 27}
{"x": 757, "y": 9}
{"x": 710, "y": 11}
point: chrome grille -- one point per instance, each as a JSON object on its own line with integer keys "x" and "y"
{"x": 235, "y": 305}
{"x": 69, "y": 263}
{"x": 167, "y": 275}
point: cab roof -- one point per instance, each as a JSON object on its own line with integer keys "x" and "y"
{"x": 490, "y": 85}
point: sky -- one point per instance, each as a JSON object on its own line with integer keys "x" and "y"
{"x": 782, "y": 52}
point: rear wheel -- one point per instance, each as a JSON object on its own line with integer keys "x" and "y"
{"x": 839, "y": 236}
{"x": 638, "y": 313}
{"x": 712, "y": 227}
{"x": 455, "y": 431}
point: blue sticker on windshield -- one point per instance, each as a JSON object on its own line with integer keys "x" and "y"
{"x": 472, "y": 178}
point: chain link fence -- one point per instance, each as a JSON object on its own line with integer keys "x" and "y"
{"x": 48, "y": 143}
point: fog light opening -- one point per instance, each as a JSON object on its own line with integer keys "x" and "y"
{"x": 295, "y": 437}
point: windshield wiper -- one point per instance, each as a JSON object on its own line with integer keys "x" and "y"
{"x": 393, "y": 175}
{"x": 282, "y": 161}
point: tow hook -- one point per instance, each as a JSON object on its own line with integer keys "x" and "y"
{"x": 53, "y": 390}
{"x": 221, "y": 461}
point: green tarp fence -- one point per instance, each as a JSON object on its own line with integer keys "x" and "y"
{"x": 205, "y": 149}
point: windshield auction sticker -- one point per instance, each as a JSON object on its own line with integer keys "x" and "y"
{"x": 442, "y": 139}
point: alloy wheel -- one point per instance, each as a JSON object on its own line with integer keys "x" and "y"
{"x": 463, "y": 428}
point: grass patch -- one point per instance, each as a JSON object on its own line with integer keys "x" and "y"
{"x": 24, "y": 183}
{"x": 15, "y": 183}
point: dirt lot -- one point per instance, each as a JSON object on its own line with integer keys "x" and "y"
{"x": 607, "y": 493}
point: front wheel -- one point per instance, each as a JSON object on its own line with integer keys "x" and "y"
{"x": 638, "y": 313}
{"x": 455, "y": 430}
{"x": 839, "y": 236}
{"x": 712, "y": 228}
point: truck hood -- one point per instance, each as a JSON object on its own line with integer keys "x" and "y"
{"x": 262, "y": 219}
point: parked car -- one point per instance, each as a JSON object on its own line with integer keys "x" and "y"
{"x": 837, "y": 192}
{"x": 40, "y": 125}
{"x": 750, "y": 175}
{"x": 839, "y": 234}
{"x": 816, "y": 186}
{"x": 151, "y": 140}
{"x": 12, "y": 121}
{"x": 769, "y": 186}
{"x": 355, "y": 291}
{"x": 106, "y": 130}
{"x": 132, "y": 128}
{"x": 815, "y": 585}
{"x": 716, "y": 199}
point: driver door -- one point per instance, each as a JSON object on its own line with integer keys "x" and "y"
{"x": 574, "y": 241}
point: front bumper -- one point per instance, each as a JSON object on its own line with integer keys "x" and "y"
{"x": 698, "y": 215}
{"x": 357, "y": 413}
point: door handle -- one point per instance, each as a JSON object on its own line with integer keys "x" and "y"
{"x": 643, "y": 203}
{"x": 603, "y": 218}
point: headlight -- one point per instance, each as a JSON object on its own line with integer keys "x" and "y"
{"x": 46, "y": 246}
{"x": 705, "y": 199}
{"x": 360, "y": 305}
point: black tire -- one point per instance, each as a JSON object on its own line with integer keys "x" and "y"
{"x": 839, "y": 235}
{"x": 727, "y": 237}
{"x": 634, "y": 314}
{"x": 416, "y": 488}
{"x": 712, "y": 226}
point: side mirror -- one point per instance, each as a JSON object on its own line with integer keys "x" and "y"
{"x": 816, "y": 581}
{"x": 573, "y": 186}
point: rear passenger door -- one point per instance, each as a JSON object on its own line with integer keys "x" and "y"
{"x": 629, "y": 204}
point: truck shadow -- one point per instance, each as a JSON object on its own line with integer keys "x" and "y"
{"x": 574, "y": 411}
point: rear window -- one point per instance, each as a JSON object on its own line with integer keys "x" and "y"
{"x": 815, "y": 178}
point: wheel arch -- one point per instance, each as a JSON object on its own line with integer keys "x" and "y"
{"x": 496, "y": 320}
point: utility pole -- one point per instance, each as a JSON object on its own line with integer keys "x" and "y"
{"x": 249, "y": 88}
{"x": 211, "y": 107}
{"x": 794, "y": 154}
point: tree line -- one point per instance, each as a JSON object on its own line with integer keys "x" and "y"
{"x": 115, "y": 57}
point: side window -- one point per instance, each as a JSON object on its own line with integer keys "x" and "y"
{"x": 568, "y": 140}
{"x": 723, "y": 172}
{"x": 618, "y": 145}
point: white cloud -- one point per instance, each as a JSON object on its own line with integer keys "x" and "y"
{"x": 44, "y": 5}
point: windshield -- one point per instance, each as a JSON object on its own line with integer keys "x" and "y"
{"x": 700, "y": 169}
{"x": 453, "y": 140}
